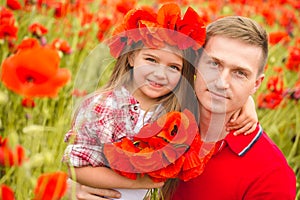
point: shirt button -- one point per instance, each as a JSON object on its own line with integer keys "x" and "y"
{"x": 135, "y": 107}
{"x": 132, "y": 118}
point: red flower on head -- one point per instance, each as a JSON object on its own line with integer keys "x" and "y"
{"x": 168, "y": 15}
{"x": 136, "y": 19}
{"x": 155, "y": 30}
{"x": 124, "y": 6}
{"x": 51, "y": 186}
{"x": 6, "y": 193}
{"x": 34, "y": 72}
{"x": 193, "y": 27}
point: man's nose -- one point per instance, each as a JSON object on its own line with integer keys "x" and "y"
{"x": 223, "y": 79}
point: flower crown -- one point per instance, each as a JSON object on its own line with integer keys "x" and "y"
{"x": 157, "y": 29}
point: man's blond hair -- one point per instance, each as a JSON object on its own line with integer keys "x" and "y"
{"x": 243, "y": 29}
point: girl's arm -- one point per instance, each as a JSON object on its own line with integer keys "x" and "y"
{"x": 103, "y": 177}
{"x": 245, "y": 120}
{"x": 82, "y": 192}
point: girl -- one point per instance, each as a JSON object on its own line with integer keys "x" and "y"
{"x": 153, "y": 74}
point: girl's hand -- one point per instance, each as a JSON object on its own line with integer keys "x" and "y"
{"x": 77, "y": 191}
{"x": 245, "y": 120}
{"x": 145, "y": 182}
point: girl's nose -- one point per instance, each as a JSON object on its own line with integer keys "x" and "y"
{"x": 159, "y": 71}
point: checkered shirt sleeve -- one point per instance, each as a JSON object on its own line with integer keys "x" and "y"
{"x": 100, "y": 119}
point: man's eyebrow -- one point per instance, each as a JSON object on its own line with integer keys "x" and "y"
{"x": 235, "y": 67}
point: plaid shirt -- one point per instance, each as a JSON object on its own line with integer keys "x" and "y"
{"x": 102, "y": 118}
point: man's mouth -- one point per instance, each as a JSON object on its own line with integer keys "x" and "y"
{"x": 218, "y": 95}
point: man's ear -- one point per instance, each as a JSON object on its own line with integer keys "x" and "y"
{"x": 258, "y": 82}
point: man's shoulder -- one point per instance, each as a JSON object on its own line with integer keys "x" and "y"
{"x": 256, "y": 146}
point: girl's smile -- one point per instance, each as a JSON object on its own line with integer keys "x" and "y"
{"x": 156, "y": 72}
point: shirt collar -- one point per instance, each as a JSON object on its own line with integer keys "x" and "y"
{"x": 125, "y": 98}
{"x": 240, "y": 144}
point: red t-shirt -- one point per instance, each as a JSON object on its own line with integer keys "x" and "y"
{"x": 243, "y": 167}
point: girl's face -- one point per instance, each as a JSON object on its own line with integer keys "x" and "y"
{"x": 156, "y": 72}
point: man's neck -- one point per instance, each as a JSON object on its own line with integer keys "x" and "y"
{"x": 213, "y": 125}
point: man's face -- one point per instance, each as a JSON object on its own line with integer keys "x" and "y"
{"x": 227, "y": 74}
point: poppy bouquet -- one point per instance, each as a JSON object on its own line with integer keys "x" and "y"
{"x": 167, "y": 148}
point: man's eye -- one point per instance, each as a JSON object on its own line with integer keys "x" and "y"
{"x": 213, "y": 64}
{"x": 241, "y": 74}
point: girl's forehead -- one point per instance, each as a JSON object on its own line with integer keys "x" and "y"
{"x": 166, "y": 48}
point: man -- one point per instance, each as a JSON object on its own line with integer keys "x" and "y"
{"x": 242, "y": 167}
{"x": 245, "y": 166}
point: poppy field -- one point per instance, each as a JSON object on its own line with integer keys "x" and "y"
{"x": 52, "y": 53}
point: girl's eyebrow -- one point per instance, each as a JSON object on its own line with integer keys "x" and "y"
{"x": 149, "y": 54}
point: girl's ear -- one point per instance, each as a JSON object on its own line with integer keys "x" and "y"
{"x": 131, "y": 59}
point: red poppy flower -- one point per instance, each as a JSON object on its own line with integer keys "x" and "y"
{"x": 192, "y": 26}
{"x": 138, "y": 19}
{"x": 168, "y": 148}
{"x": 275, "y": 84}
{"x": 34, "y": 72}
{"x": 13, "y": 4}
{"x": 268, "y": 14}
{"x": 124, "y": 6}
{"x": 270, "y": 100}
{"x": 28, "y": 103}
{"x": 37, "y": 29}
{"x": 10, "y": 157}
{"x": 61, "y": 45}
{"x": 168, "y": 15}
{"x": 118, "y": 155}
{"x": 293, "y": 62}
{"x": 279, "y": 36}
{"x": 28, "y": 43}
{"x": 61, "y": 9}
{"x": 8, "y": 30}
{"x": 51, "y": 186}
{"x": 104, "y": 23}
{"x": 6, "y": 193}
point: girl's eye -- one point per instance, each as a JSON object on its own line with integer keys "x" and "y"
{"x": 174, "y": 67}
{"x": 150, "y": 59}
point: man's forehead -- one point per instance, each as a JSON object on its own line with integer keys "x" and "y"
{"x": 232, "y": 52}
